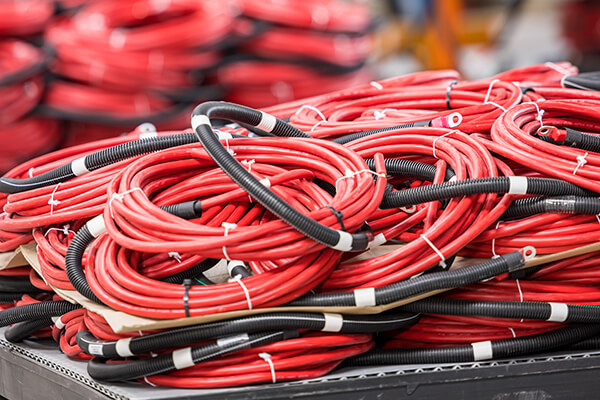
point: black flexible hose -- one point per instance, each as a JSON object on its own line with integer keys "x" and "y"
{"x": 98, "y": 369}
{"x": 501, "y": 309}
{"x": 358, "y": 135}
{"x": 22, "y": 330}
{"x": 95, "y": 161}
{"x": 447, "y": 190}
{"x": 580, "y": 140}
{"x": 422, "y": 284}
{"x": 35, "y": 311}
{"x": 408, "y": 168}
{"x": 17, "y": 284}
{"x": 466, "y": 353}
{"x": 250, "y": 324}
{"x": 275, "y": 204}
{"x": 552, "y": 205}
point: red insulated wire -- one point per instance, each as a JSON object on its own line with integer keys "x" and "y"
{"x": 25, "y": 17}
{"x": 309, "y": 356}
{"x": 330, "y": 15}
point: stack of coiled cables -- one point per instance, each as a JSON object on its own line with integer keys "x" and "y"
{"x": 371, "y": 215}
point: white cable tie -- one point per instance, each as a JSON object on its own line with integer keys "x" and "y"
{"x": 350, "y": 174}
{"x": 482, "y": 351}
{"x": 312, "y": 108}
{"x": 238, "y": 279}
{"x": 496, "y": 105}
{"x": 30, "y": 172}
{"x": 365, "y": 297}
{"x": 120, "y": 196}
{"x": 438, "y": 138}
{"x": 520, "y": 293}
{"x": 581, "y": 161}
{"x": 149, "y": 383}
{"x": 96, "y": 225}
{"x": 182, "y": 358}
{"x": 227, "y": 227}
{"x": 267, "y": 122}
{"x": 266, "y": 183}
{"x": 198, "y": 120}
{"x": 494, "y": 242}
{"x": 409, "y": 210}
{"x": 333, "y": 322}
{"x": 489, "y": 91}
{"x": 442, "y": 262}
{"x": 558, "y": 68}
{"x": 223, "y": 134}
{"x": 598, "y": 218}
{"x": 248, "y": 163}
{"x": 267, "y": 358}
{"x": 175, "y": 255}
{"x": 122, "y": 347}
{"x": 559, "y": 312}
{"x": 316, "y": 125}
{"x": 513, "y": 332}
{"x": 65, "y": 230}
{"x": 376, "y": 85}
{"x": 53, "y": 202}
{"x": 230, "y": 151}
{"x": 381, "y": 114}
{"x": 540, "y": 112}
{"x": 517, "y": 185}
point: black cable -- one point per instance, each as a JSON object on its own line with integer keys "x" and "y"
{"x": 554, "y": 205}
{"x": 35, "y": 311}
{"x": 22, "y": 330}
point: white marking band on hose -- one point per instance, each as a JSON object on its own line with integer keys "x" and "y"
{"x": 482, "y": 351}
{"x": 344, "y": 242}
{"x": 364, "y": 297}
{"x": 333, "y": 322}
{"x": 182, "y": 358}
{"x": 78, "y": 167}
{"x": 267, "y": 122}
{"x": 148, "y": 135}
{"x": 559, "y": 312}
{"x": 234, "y": 263}
{"x": 231, "y": 340}
{"x": 518, "y": 185}
{"x": 198, "y": 120}
{"x": 122, "y": 348}
{"x": 59, "y": 324}
{"x": 96, "y": 226}
{"x": 95, "y": 350}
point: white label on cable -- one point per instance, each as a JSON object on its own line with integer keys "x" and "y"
{"x": 365, "y": 297}
{"x": 182, "y": 358}
{"x": 267, "y": 122}
{"x": 333, "y": 322}
{"x": 559, "y": 312}
{"x": 58, "y": 323}
{"x": 518, "y": 185}
{"x": 378, "y": 240}
{"x": 122, "y": 347}
{"x": 78, "y": 167}
{"x": 96, "y": 226}
{"x": 482, "y": 351}
{"x": 344, "y": 243}
{"x": 198, "y": 120}
{"x": 95, "y": 350}
{"x": 231, "y": 340}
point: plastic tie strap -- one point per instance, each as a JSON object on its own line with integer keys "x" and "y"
{"x": 350, "y": 174}
{"x": 376, "y": 85}
{"x": 187, "y": 283}
{"x": 238, "y": 279}
{"x": 438, "y": 138}
{"x": 442, "y": 262}
{"x": 581, "y": 161}
{"x": 52, "y": 201}
{"x": 120, "y": 196}
{"x": 267, "y": 358}
{"x": 339, "y": 215}
{"x": 175, "y": 255}
{"x": 227, "y": 227}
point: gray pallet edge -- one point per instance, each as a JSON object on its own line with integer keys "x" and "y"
{"x": 30, "y": 372}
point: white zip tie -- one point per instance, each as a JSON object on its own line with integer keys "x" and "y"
{"x": 486, "y": 100}
{"x": 312, "y": 108}
{"x": 442, "y": 262}
{"x": 376, "y": 85}
{"x": 598, "y": 218}
{"x": 581, "y": 161}
{"x": 227, "y": 147}
{"x": 438, "y": 138}
{"x": 227, "y": 227}
{"x": 120, "y": 196}
{"x": 520, "y": 293}
{"x": 249, "y": 163}
{"x": 149, "y": 383}
{"x": 494, "y": 242}
{"x": 238, "y": 279}
{"x": 381, "y": 114}
{"x": 317, "y": 124}
{"x": 267, "y": 358}
{"x": 558, "y": 68}
{"x": 65, "y": 230}
{"x": 52, "y": 202}
{"x": 513, "y": 332}
{"x": 350, "y": 174}
{"x": 540, "y": 112}
{"x": 175, "y": 255}
{"x": 30, "y": 172}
